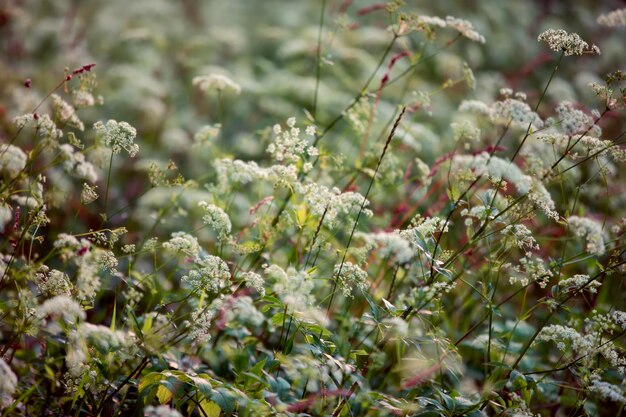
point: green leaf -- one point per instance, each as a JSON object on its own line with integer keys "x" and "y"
{"x": 202, "y": 385}
{"x": 164, "y": 394}
{"x": 373, "y": 307}
{"x": 210, "y": 408}
{"x": 149, "y": 380}
{"x": 257, "y": 369}
{"x": 224, "y": 399}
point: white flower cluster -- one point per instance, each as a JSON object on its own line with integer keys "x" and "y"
{"x": 88, "y": 194}
{"x": 422, "y": 23}
{"x": 563, "y": 334}
{"x": 76, "y": 164}
{"x": 217, "y": 219}
{"x": 207, "y": 133}
{"x": 118, "y": 136}
{"x": 236, "y": 171}
{"x": 543, "y": 200}
{"x": 87, "y": 281}
{"x": 431, "y": 225}
{"x": 426, "y": 294}
{"x": 613, "y": 19}
{"x": 595, "y": 146}
{"x": 8, "y": 384}
{"x": 431, "y": 21}
{"x": 161, "y": 411}
{"x": 574, "y": 122}
{"x": 389, "y": 244}
{"x": 200, "y": 323}
{"x": 349, "y": 277}
{"x": 66, "y": 113}
{"x": 512, "y": 111}
{"x": 607, "y": 390}
{"x": 515, "y": 111}
{"x": 619, "y": 318}
{"x": 184, "y": 243}
{"x": 241, "y": 310}
{"x": 497, "y": 168}
{"x": 253, "y": 280}
{"x": 574, "y": 283}
{"x": 62, "y": 306}
{"x": 358, "y": 115}
{"x": 522, "y": 236}
{"x": 52, "y": 282}
{"x": 46, "y": 128}
{"x": 465, "y": 130}
{"x": 530, "y": 269}
{"x": 320, "y": 198}
{"x": 288, "y": 146}
{"x": 591, "y": 230}
{"x": 292, "y": 287}
{"x": 106, "y": 261}
{"x": 585, "y": 346}
{"x": 89, "y": 338}
{"x": 88, "y": 259}
{"x": 12, "y": 159}
{"x": 83, "y": 98}
{"x": 465, "y": 28}
{"x": 217, "y": 82}
{"x": 210, "y": 273}
{"x": 396, "y": 326}
{"x": 570, "y": 43}
{"x": 70, "y": 246}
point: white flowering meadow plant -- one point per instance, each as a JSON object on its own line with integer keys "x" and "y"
{"x": 335, "y": 208}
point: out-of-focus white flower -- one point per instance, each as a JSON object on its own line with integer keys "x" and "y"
{"x": 12, "y": 159}
{"x": 8, "y": 384}
{"x": 591, "y": 230}
{"x": 613, "y": 19}
{"x": 217, "y": 82}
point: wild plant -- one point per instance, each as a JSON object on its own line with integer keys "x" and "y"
{"x": 407, "y": 240}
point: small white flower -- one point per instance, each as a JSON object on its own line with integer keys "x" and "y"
{"x": 184, "y": 243}
{"x": 118, "y": 136}
{"x": 210, "y": 273}
{"x": 349, "y": 277}
{"x": 569, "y": 43}
{"x": 217, "y": 219}
{"x": 253, "y": 280}
{"x": 217, "y": 82}
{"x": 88, "y": 195}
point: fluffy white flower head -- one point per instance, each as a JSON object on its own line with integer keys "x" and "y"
{"x": 118, "y": 136}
